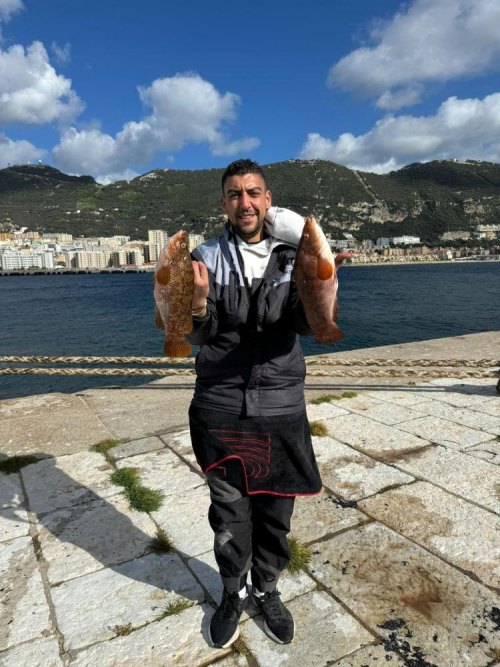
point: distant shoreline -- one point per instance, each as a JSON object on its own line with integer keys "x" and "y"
{"x": 80, "y": 272}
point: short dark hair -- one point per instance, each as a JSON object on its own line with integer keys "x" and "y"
{"x": 240, "y": 168}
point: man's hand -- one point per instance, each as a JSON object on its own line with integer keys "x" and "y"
{"x": 200, "y": 288}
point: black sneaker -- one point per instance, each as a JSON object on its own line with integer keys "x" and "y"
{"x": 278, "y": 621}
{"x": 224, "y": 628}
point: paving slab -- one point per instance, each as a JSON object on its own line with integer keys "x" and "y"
{"x": 84, "y": 538}
{"x": 426, "y": 609}
{"x": 39, "y": 405}
{"x": 40, "y": 653}
{"x": 63, "y": 431}
{"x": 489, "y": 451}
{"x": 134, "y": 447}
{"x": 185, "y": 518}
{"x": 445, "y": 432}
{"x": 175, "y": 640}
{"x": 324, "y": 632}
{"x": 373, "y": 656}
{"x": 314, "y": 517}
{"x": 90, "y": 608}
{"x": 163, "y": 470}
{"x": 490, "y": 407}
{"x": 325, "y": 411}
{"x": 456, "y": 472}
{"x": 24, "y": 612}
{"x": 161, "y": 410}
{"x": 14, "y": 522}
{"x": 204, "y": 567}
{"x": 479, "y": 386}
{"x": 460, "y": 533}
{"x": 404, "y": 398}
{"x": 374, "y": 408}
{"x": 11, "y": 493}
{"x": 67, "y": 480}
{"x": 180, "y": 443}
{"x": 464, "y": 416}
{"x": 372, "y": 438}
{"x": 351, "y": 474}
{"x": 461, "y": 399}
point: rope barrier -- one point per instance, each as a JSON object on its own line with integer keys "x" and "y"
{"x": 338, "y": 367}
{"x": 340, "y": 372}
{"x": 310, "y": 361}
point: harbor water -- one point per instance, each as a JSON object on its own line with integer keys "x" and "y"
{"x": 112, "y": 315}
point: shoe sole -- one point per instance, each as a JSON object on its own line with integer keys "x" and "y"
{"x": 272, "y": 636}
{"x": 229, "y": 641}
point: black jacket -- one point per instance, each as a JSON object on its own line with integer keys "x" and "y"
{"x": 250, "y": 361}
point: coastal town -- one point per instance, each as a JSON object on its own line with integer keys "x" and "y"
{"x": 25, "y": 251}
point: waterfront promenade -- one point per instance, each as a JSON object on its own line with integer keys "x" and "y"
{"x": 405, "y": 540}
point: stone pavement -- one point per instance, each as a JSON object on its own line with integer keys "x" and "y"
{"x": 405, "y": 540}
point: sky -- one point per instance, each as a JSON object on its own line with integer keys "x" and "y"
{"x": 116, "y": 89}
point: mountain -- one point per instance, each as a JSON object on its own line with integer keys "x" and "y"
{"x": 423, "y": 199}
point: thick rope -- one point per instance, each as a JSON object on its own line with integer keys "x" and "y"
{"x": 313, "y": 361}
{"x": 340, "y": 372}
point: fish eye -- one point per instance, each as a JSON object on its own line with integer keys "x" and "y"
{"x": 306, "y": 236}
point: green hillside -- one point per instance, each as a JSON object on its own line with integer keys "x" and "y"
{"x": 423, "y": 199}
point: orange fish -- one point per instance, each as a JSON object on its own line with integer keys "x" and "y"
{"x": 173, "y": 293}
{"x": 316, "y": 279}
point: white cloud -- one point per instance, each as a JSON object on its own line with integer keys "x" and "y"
{"x": 62, "y": 54}
{"x": 18, "y": 152}
{"x": 184, "y": 108}
{"x": 463, "y": 129}
{"x": 9, "y": 7}
{"x": 429, "y": 41}
{"x": 31, "y": 91}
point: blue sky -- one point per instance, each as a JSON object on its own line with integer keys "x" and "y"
{"x": 115, "y": 89}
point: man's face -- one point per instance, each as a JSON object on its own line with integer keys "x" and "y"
{"x": 245, "y": 201}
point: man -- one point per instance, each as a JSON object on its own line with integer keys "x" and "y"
{"x": 248, "y": 421}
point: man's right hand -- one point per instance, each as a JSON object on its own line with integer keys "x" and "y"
{"x": 200, "y": 286}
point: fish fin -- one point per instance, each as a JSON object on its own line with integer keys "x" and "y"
{"x": 324, "y": 269}
{"x": 158, "y": 319}
{"x": 176, "y": 347}
{"x": 163, "y": 275}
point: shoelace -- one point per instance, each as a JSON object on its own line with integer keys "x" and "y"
{"x": 272, "y": 601}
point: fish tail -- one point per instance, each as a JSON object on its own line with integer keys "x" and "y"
{"x": 176, "y": 347}
{"x": 330, "y": 334}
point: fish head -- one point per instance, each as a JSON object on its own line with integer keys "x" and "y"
{"x": 175, "y": 253}
{"x": 178, "y": 245}
{"x": 312, "y": 238}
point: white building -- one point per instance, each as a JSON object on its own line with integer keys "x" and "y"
{"x": 158, "y": 238}
{"x": 20, "y": 260}
{"x": 195, "y": 240}
{"x": 405, "y": 240}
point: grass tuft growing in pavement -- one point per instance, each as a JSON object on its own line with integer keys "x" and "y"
{"x": 328, "y": 398}
{"x": 300, "y": 555}
{"x": 175, "y": 607}
{"x": 126, "y": 477}
{"x": 140, "y": 497}
{"x": 325, "y": 398}
{"x": 143, "y": 499}
{"x": 162, "y": 543}
{"x": 15, "y": 463}
{"x": 123, "y": 630}
{"x": 318, "y": 429}
{"x": 349, "y": 394}
{"x": 239, "y": 647}
{"x": 103, "y": 447}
